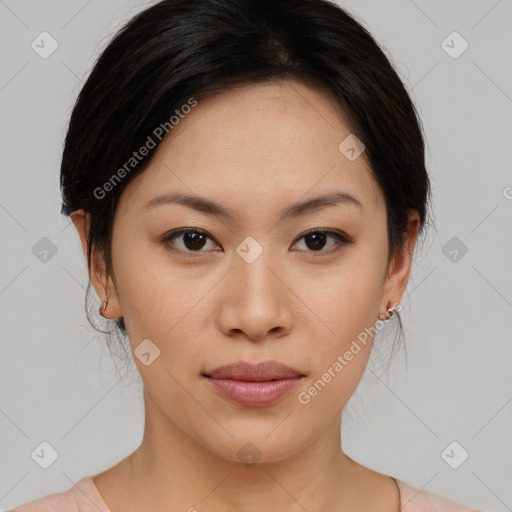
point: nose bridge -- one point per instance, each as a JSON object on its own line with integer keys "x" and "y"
{"x": 258, "y": 297}
{"x": 254, "y": 270}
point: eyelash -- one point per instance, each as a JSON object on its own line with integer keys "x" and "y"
{"x": 341, "y": 238}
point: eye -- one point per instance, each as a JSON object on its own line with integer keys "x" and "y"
{"x": 316, "y": 240}
{"x": 194, "y": 240}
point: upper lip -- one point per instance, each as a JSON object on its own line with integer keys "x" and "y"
{"x": 264, "y": 371}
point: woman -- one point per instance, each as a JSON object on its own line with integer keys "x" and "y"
{"x": 247, "y": 180}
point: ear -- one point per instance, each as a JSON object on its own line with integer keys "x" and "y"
{"x": 399, "y": 268}
{"x": 104, "y": 286}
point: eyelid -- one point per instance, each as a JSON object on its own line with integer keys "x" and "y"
{"x": 342, "y": 238}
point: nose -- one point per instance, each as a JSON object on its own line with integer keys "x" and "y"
{"x": 257, "y": 300}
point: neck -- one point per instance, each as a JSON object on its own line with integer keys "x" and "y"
{"x": 172, "y": 471}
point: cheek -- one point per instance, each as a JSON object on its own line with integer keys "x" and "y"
{"x": 345, "y": 310}
{"x": 346, "y": 304}
{"x": 163, "y": 304}
{"x": 338, "y": 358}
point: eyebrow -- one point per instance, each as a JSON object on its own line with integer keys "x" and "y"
{"x": 207, "y": 206}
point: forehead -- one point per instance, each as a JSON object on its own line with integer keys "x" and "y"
{"x": 269, "y": 143}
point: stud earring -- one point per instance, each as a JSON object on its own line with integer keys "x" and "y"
{"x": 103, "y": 309}
{"x": 384, "y": 316}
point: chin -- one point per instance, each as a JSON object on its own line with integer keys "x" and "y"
{"x": 260, "y": 448}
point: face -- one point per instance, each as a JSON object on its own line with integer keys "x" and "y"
{"x": 259, "y": 279}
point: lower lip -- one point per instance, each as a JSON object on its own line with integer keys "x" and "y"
{"x": 254, "y": 394}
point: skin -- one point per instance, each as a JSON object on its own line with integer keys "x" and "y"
{"x": 256, "y": 150}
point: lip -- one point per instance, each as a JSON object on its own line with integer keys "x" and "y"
{"x": 254, "y": 385}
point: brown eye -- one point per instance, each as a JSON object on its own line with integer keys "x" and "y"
{"x": 192, "y": 240}
{"x": 317, "y": 239}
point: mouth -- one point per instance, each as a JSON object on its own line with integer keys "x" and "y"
{"x": 249, "y": 385}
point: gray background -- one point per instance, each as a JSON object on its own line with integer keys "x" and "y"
{"x": 57, "y": 380}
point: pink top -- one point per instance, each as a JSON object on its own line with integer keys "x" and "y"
{"x": 84, "y": 497}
